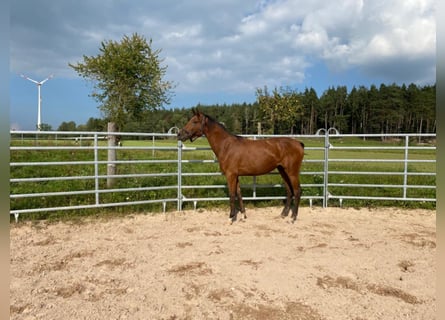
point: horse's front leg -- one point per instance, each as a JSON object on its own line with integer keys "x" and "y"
{"x": 232, "y": 185}
{"x": 240, "y": 199}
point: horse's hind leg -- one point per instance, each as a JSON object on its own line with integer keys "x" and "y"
{"x": 240, "y": 199}
{"x": 289, "y": 193}
{"x": 297, "y": 190}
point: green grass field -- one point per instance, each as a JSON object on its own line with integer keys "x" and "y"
{"x": 150, "y": 187}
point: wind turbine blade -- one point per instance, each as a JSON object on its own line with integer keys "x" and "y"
{"x": 28, "y": 78}
{"x": 43, "y": 81}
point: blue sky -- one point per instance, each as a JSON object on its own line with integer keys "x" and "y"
{"x": 218, "y": 51}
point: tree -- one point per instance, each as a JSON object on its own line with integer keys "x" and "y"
{"x": 357, "y": 104}
{"x": 67, "y": 126}
{"x": 127, "y": 78}
{"x": 333, "y": 103}
{"x": 45, "y": 127}
{"x": 384, "y": 109}
{"x": 391, "y": 108}
{"x": 372, "y": 112}
{"x": 310, "y": 104}
{"x": 95, "y": 124}
{"x": 282, "y": 107}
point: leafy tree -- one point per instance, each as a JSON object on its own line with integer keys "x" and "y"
{"x": 281, "y": 108}
{"x": 353, "y": 107}
{"x": 127, "y": 77}
{"x": 390, "y": 108}
{"x": 357, "y": 106}
{"x": 429, "y": 107}
{"x": 45, "y": 127}
{"x": 373, "y": 112}
{"x": 67, "y": 126}
{"x": 95, "y": 124}
{"x": 333, "y": 103}
{"x": 310, "y": 105}
{"x": 383, "y": 109}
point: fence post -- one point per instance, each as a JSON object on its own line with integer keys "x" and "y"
{"x": 254, "y": 177}
{"x": 96, "y": 169}
{"x": 179, "y": 175}
{"x": 405, "y": 169}
{"x": 326, "y": 168}
{"x": 111, "y": 166}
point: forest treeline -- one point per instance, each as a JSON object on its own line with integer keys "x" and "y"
{"x": 384, "y": 109}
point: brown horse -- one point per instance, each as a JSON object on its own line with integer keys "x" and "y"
{"x": 239, "y": 156}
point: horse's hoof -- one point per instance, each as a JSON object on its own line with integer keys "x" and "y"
{"x": 284, "y": 214}
{"x": 230, "y": 221}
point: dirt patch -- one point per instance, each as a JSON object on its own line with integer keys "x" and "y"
{"x": 420, "y": 239}
{"x": 197, "y": 268}
{"x": 290, "y": 311}
{"x": 383, "y": 290}
{"x": 253, "y": 264}
{"x": 331, "y": 264}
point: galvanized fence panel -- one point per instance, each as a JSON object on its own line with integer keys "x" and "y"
{"x": 147, "y": 159}
{"x": 402, "y": 157}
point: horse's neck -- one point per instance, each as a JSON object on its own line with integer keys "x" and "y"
{"x": 217, "y": 137}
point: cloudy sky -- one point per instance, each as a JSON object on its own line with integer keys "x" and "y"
{"x": 218, "y": 51}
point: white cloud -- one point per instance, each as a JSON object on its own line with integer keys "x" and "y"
{"x": 405, "y": 29}
{"x": 186, "y": 34}
{"x": 235, "y": 45}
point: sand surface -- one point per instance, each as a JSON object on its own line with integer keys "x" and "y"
{"x": 332, "y": 263}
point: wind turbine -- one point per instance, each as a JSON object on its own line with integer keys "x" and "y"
{"x": 39, "y": 84}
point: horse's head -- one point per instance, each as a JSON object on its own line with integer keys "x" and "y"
{"x": 194, "y": 128}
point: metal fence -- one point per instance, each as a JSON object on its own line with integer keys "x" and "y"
{"x": 56, "y": 171}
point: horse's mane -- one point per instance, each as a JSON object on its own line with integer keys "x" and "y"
{"x": 215, "y": 122}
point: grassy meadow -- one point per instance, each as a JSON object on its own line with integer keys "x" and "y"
{"x": 163, "y": 164}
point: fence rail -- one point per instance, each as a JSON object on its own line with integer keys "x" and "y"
{"x": 55, "y": 171}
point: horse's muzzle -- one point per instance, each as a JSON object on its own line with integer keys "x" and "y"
{"x": 183, "y": 135}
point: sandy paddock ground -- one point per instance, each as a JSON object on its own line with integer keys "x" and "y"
{"x": 331, "y": 264}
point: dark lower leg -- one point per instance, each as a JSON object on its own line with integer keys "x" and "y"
{"x": 296, "y": 204}
{"x": 240, "y": 199}
{"x": 286, "y": 208}
{"x": 232, "y": 208}
{"x": 287, "y": 184}
{"x": 231, "y": 183}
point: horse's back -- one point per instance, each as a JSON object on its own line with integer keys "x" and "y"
{"x": 278, "y": 146}
{"x": 288, "y": 146}
{"x": 292, "y": 148}
{"x": 246, "y": 157}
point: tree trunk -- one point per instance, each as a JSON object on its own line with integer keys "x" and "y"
{"x": 111, "y": 166}
{"x": 420, "y": 128}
